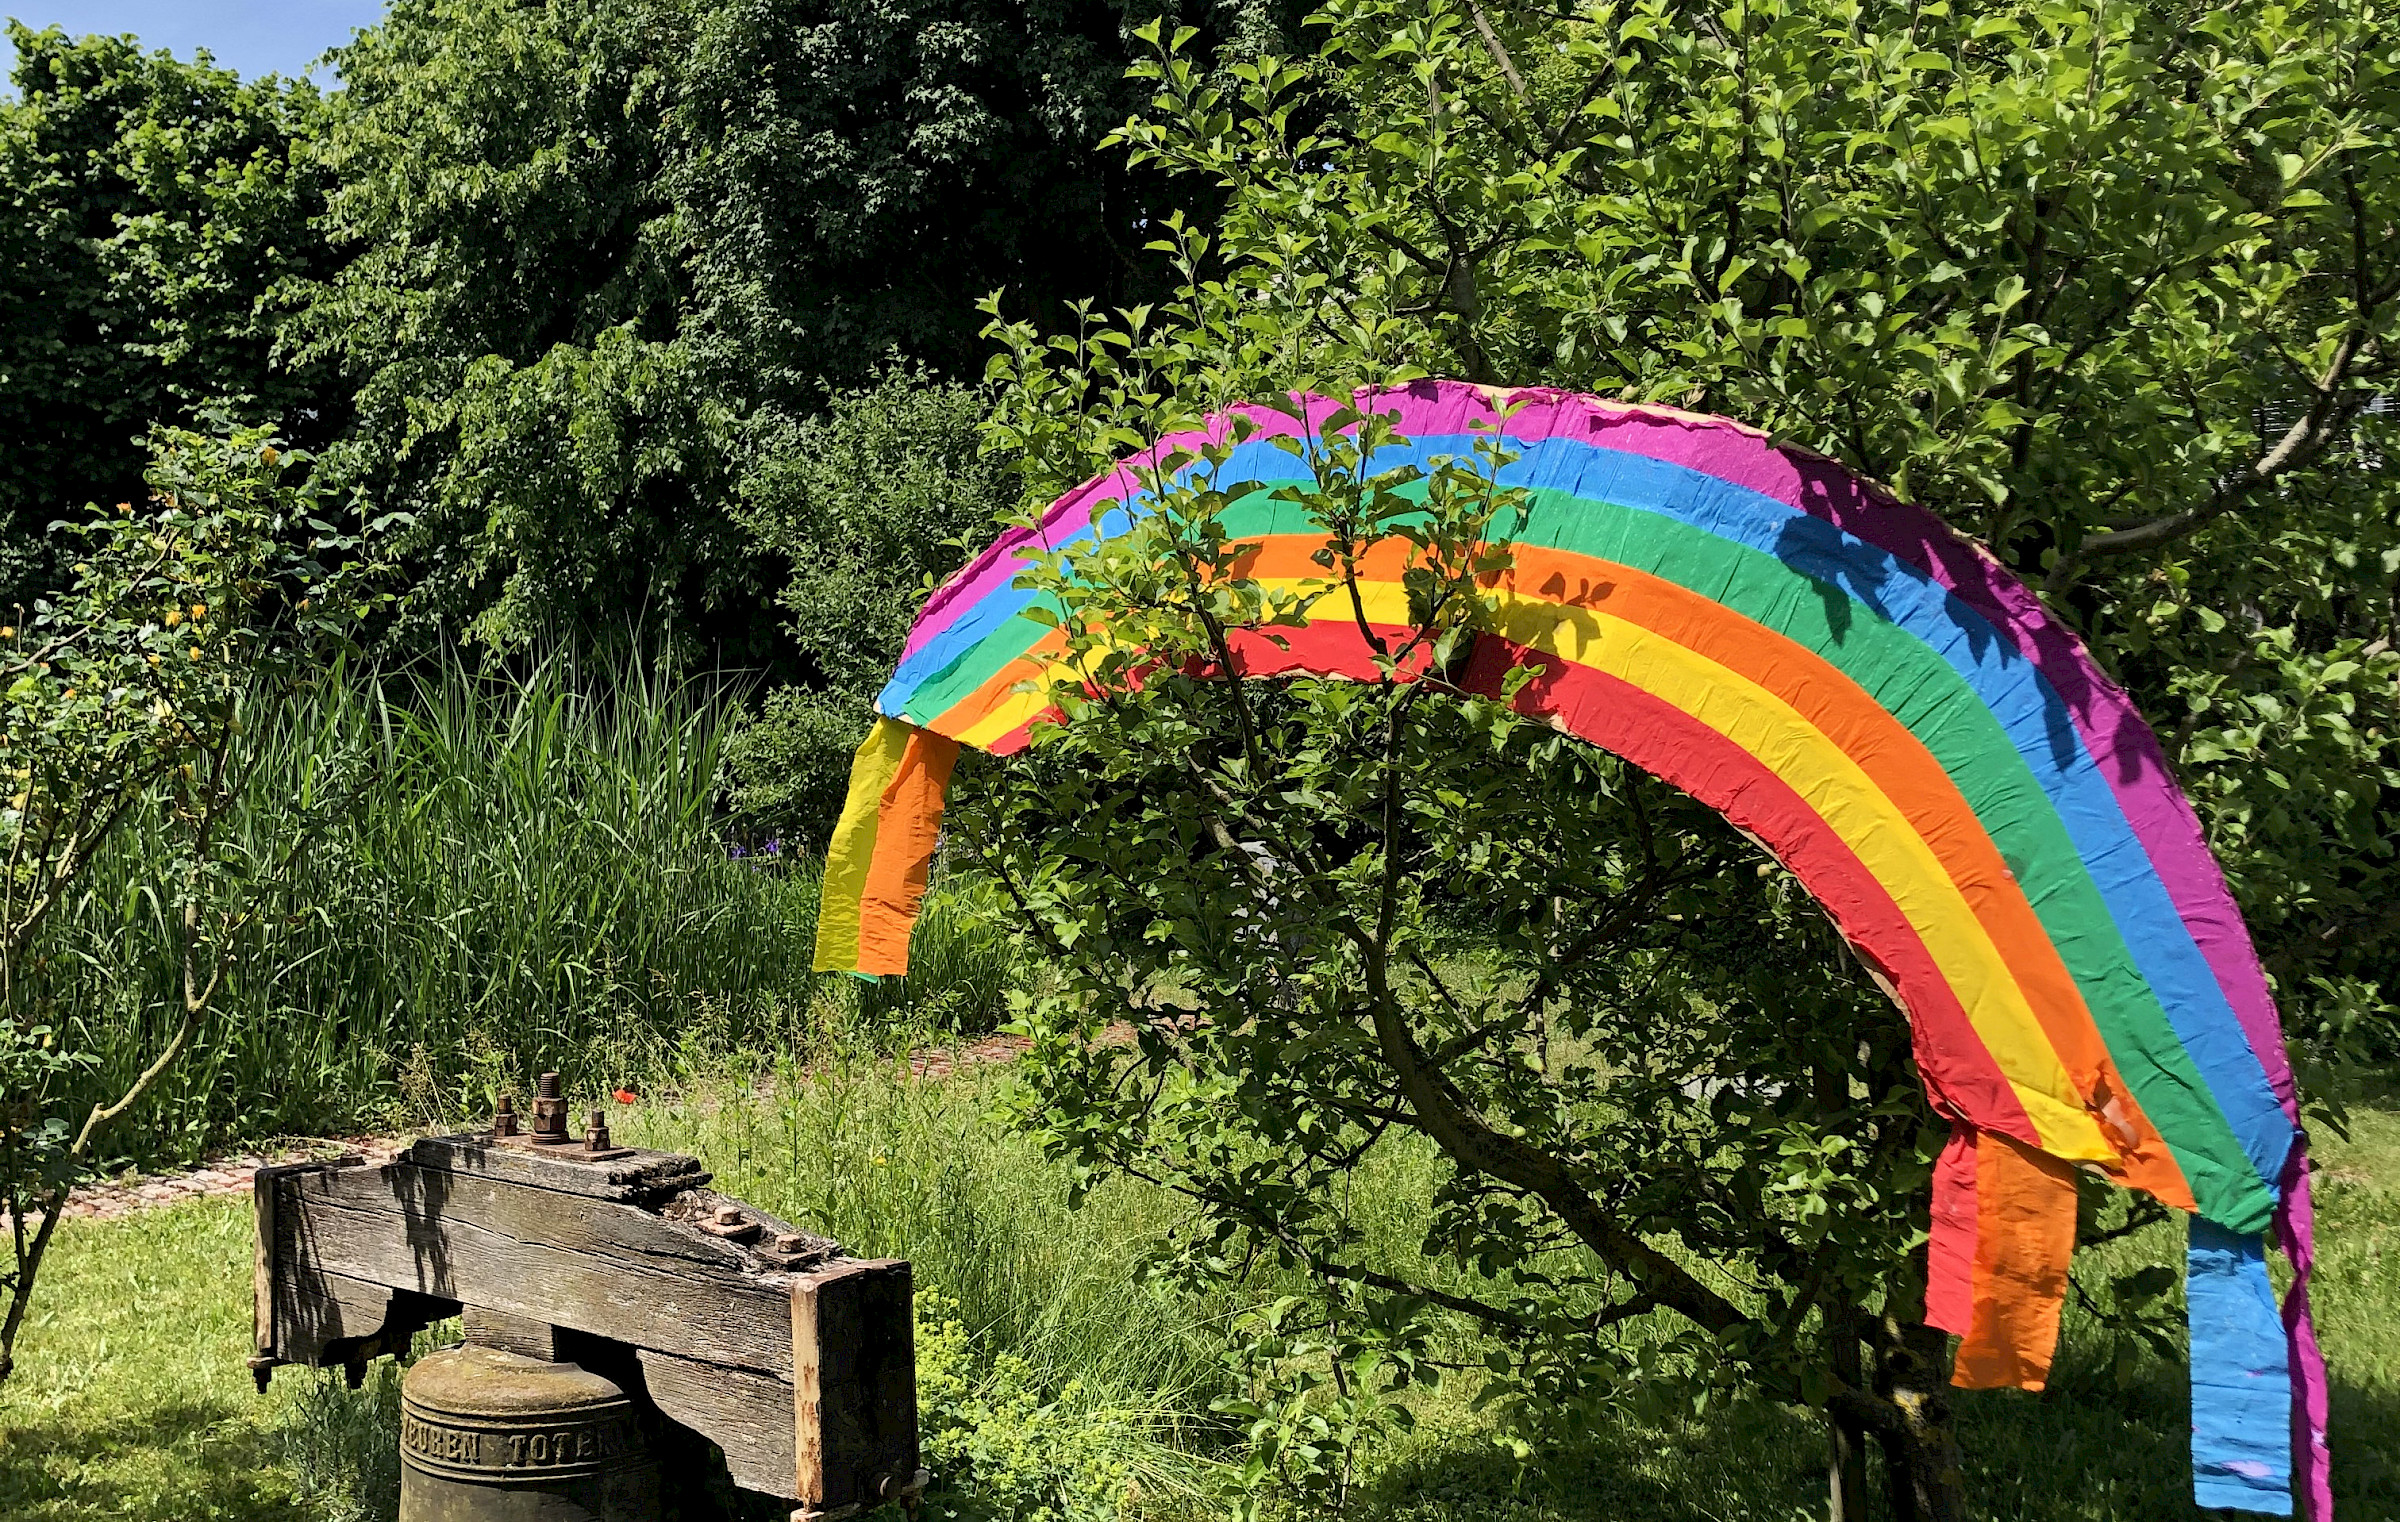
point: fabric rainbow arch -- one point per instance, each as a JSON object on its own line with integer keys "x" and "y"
{"x": 1904, "y": 726}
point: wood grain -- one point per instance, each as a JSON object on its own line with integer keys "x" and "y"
{"x": 638, "y": 1178}
{"x": 801, "y": 1370}
{"x": 613, "y": 1270}
{"x": 854, "y": 1394}
{"x": 747, "y": 1415}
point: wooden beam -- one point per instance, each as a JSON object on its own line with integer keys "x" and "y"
{"x": 798, "y": 1363}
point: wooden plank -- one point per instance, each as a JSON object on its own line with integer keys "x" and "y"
{"x": 726, "y": 1334}
{"x": 854, "y": 1391}
{"x": 637, "y": 1177}
{"x": 609, "y": 1269}
{"x": 318, "y": 1309}
{"x": 808, "y": 1395}
{"x": 747, "y": 1415}
{"x": 263, "y": 1189}
{"x": 326, "y": 1318}
{"x": 513, "y": 1334}
{"x": 262, "y": 1262}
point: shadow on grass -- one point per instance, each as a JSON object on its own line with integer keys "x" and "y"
{"x": 1751, "y": 1463}
{"x": 178, "y": 1458}
{"x": 2087, "y": 1450}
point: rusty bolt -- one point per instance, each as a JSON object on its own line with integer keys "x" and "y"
{"x": 790, "y": 1242}
{"x": 595, "y": 1135}
{"x": 729, "y": 1215}
{"x": 504, "y": 1116}
{"x": 549, "y": 1112}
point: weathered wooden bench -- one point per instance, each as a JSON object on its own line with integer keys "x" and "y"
{"x": 795, "y": 1359}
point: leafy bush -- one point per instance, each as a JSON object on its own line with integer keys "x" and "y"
{"x": 867, "y": 505}
{"x": 1004, "y": 1448}
{"x": 141, "y": 692}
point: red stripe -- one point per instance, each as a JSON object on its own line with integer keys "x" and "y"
{"x": 1671, "y": 745}
{"x": 1327, "y": 647}
{"x": 1950, "y": 1251}
{"x": 1663, "y": 740}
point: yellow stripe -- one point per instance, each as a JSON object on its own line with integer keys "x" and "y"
{"x": 852, "y": 850}
{"x": 1850, "y": 803}
{"x": 1782, "y": 739}
{"x": 1011, "y": 712}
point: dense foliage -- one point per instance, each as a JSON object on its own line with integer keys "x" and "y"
{"x": 141, "y": 688}
{"x": 605, "y": 259}
{"x": 651, "y": 321}
{"x": 149, "y": 212}
{"x": 567, "y": 285}
{"x": 1348, "y": 917}
{"x": 863, "y": 503}
{"x": 2110, "y": 286}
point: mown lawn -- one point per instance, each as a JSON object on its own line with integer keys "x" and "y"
{"x": 131, "y": 1399}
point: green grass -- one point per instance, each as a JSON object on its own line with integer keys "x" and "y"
{"x": 131, "y": 1399}
{"x": 1072, "y": 1385}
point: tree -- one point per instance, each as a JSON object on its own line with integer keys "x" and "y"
{"x": 140, "y": 687}
{"x": 605, "y": 259}
{"x": 2112, "y": 286}
{"x": 866, "y": 504}
{"x": 1353, "y": 921}
{"x": 2109, "y": 285}
{"x": 152, "y": 210}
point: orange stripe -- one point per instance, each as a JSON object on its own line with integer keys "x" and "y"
{"x": 908, "y": 827}
{"x": 1035, "y": 665}
{"x": 2024, "y": 1245}
{"x": 1894, "y": 759}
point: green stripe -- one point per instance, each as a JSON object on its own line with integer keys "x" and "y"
{"x": 1930, "y": 699}
{"x": 1920, "y": 689}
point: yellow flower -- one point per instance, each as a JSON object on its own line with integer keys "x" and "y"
{"x": 198, "y": 609}
{"x": 174, "y": 617}
{"x": 195, "y": 652}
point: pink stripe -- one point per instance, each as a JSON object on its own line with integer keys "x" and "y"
{"x": 1000, "y": 562}
{"x": 2136, "y": 768}
{"x": 2295, "y": 1228}
{"x": 2114, "y": 732}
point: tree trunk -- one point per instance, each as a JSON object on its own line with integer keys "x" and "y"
{"x": 1920, "y": 1451}
{"x": 1846, "y": 1464}
{"x": 29, "y": 1264}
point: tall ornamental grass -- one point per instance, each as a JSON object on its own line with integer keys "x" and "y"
{"x": 529, "y": 874}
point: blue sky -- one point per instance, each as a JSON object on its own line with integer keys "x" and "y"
{"x": 251, "y": 37}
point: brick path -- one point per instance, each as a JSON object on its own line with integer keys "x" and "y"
{"x": 115, "y": 1198}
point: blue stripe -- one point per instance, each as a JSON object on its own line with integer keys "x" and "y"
{"x": 2030, "y": 711}
{"x": 2241, "y": 1375}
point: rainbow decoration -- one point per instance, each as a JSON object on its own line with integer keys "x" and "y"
{"x": 1902, "y": 724}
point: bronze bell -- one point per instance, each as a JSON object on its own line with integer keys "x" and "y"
{"x": 490, "y": 1436}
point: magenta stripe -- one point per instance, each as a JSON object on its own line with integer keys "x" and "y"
{"x": 1000, "y": 564}
{"x": 2295, "y": 1228}
{"x": 2113, "y": 731}
{"x": 2115, "y": 734}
